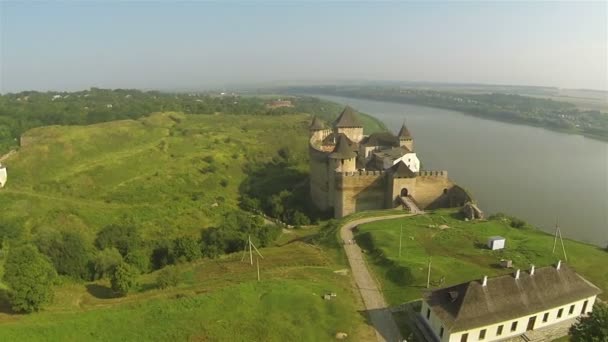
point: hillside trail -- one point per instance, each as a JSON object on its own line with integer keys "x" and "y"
{"x": 375, "y": 305}
{"x": 6, "y": 156}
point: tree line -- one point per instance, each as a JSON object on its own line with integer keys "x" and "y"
{"x": 22, "y": 111}
{"x": 118, "y": 253}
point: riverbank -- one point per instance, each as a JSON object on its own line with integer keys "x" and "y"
{"x": 557, "y": 116}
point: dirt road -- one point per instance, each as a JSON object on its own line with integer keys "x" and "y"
{"x": 377, "y": 310}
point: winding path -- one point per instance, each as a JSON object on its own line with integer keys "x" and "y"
{"x": 377, "y": 310}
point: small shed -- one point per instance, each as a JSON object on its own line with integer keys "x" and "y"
{"x": 496, "y": 242}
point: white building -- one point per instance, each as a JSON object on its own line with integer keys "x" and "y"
{"x": 496, "y": 242}
{"x": 494, "y": 309}
{"x": 3, "y": 176}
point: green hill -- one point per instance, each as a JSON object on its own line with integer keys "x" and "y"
{"x": 166, "y": 173}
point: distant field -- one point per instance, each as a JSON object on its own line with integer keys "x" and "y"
{"x": 459, "y": 255}
{"x": 216, "y": 300}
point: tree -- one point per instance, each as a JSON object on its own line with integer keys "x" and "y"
{"x": 184, "y": 249}
{"x": 30, "y": 277}
{"x": 104, "y": 262}
{"x": 591, "y": 328}
{"x": 123, "y": 279}
{"x": 123, "y": 238}
{"x": 68, "y": 251}
{"x": 139, "y": 259}
{"x": 167, "y": 277}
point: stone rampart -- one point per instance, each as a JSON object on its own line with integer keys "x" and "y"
{"x": 357, "y": 191}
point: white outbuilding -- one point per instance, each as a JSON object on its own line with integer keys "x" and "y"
{"x": 496, "y": 242}
{"x": 3, "y": 176}
{"x": 504, "y": 307}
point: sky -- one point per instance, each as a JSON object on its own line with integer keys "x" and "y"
{"x": 74, "y": 45}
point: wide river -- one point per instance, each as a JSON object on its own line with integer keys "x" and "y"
{"x": 529, "y": 172}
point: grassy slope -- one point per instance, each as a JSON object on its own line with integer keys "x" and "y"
{"x": 214, "y": 297}
{"x": 149, "y": 172}
{"x": 457, "y": 254}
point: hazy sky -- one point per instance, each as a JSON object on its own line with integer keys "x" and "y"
{"x": 76, "y": 45}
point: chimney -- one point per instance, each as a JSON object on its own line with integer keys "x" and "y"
{"x": 485, "y": 281}
{"x": 559, "y": 265}
{"x": 517, "y": 274}
{"x": 532, "y": 269}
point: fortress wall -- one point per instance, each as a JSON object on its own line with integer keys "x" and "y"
{"x": 319, "y": 179}
{"x": 398, "y": 185}
{"x": 430, "y": 188}
{"x": 357, "y": 191}
{"x": 353, "y": 133}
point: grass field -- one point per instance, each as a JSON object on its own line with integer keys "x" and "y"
{"x": 168, "y": 173}
{"x": 217, "y": 300}
{"x": 458, "y": 253}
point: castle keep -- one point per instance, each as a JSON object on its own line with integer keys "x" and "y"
{"x": 350, "y": 172}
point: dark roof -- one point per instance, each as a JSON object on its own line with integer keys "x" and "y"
{"x": 401, "y": 170}
{"x": 348, "y": 118}
{"x": 316, "y": 124}
{"x": 404, "y": 132}
{"x": 344, "y": 148}
{"x": 381, "y": 139}
{"x": 393, "y": 153}
{"x": 471, "y": 305}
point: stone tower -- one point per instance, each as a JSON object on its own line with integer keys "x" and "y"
{"x": 316, "y": 129}
{"x": 405, "y": 138}
{"x": 348, "y": 123}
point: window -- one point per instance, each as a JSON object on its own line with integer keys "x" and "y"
{"x": 464, "y": 337}
{"x": 441, "y": 332}
{"x": 482, "y": 334}
{"x": 571, "y": 311}
{"x": 559, "y": 313}
{"x": 514, "y": 326}
{"x": 545, "y": 317}
{"x": 499, "y": 330}
{"x": 428, "y": 313}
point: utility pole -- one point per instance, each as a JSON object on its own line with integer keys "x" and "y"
{"x": 428, "y": 277}
{"x": 400, "y": 236}
{"x": 555, "y": 237}
{"x": 250, "y": 254}
{"x": 558, "y": 232}
{"x": 257, "y": 262}
{"x": 252, "y": 248}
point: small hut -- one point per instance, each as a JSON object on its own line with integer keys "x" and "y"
{"x": 496, "y": 242}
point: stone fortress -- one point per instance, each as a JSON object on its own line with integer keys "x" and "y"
{"x": 350, "y": 172}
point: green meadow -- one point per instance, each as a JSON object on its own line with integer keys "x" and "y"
{"x": 459, "y": 254}
{"x": 216, "y": 300}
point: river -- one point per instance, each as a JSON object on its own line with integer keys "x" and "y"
{"x": 529, "y": 172}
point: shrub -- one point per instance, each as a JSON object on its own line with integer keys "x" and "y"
{"x": 68, "y": 251}
{"x": 224, "y": 183}
{"x": 123, "y": 238}
{"x": 123, "y": 279}
{"x": 139, "y": 259}
{"x": 167, "y": 277}
{"x": 400, "y": 275}
{"x": 30, "y": 277}
{"x": 185, "y": 248}
{"x": 517, "y": 223}
{"x": 104, "y": 262}
{"x": 593, "y": 327}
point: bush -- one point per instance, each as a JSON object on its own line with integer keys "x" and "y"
{"x": 123, "y": 279}
{"x": 591, "y": 328}
{"x": 104, "y": 262}
{"x": 68, "y": 251}
{"x": 139, "y": 259}
{"x": 123, "y": 238}
{"x": 400, "y": 275}
{"x": 30, "y": 277}
{"x": 184, "y": 249}
{"x": 167, "y": 277}
{"x": 517, "y": 223}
